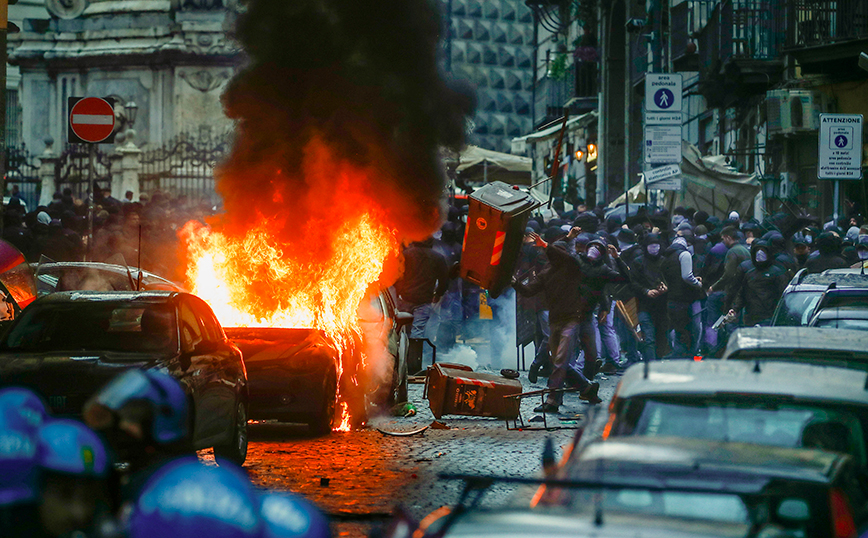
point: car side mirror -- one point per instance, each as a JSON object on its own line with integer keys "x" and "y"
{"x": 405, "y": 319}
{"x": 794, "y": 510}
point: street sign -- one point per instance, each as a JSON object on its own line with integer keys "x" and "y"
{"x": 840, "y": 146}
{"x": 663, "y": 92}
{"x": 668, "y": 184}
{"x": 91, "y": 120}
{"x": 662, "y": 144}
{"x": 663, "y": 118}
{"x": 662, "y": 172}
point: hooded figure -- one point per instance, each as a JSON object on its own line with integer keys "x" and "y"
{"x": 685, "y": 291}
{"x": 829, "y": 248}
{"x": 648, "y": 285}
{"x": 778, "y": 246}
{"x": 758, "y": 286}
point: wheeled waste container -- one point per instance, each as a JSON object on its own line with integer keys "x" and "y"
{"x": 455, "y": 389}
{"x": 496, "y": 221}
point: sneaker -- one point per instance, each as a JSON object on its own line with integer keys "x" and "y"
{"x": 532, "y": 373}
{"x": 546, "y": 408}
{"x": 609, "y": 368}
{"x": 590, "y": 394}
{"x": 546, "y": 370}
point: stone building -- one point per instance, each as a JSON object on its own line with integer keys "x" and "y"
{"x": 172, "y": 58}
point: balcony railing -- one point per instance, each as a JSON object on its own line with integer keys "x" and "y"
{"x": 579, "y": 80}
{"x": 743, "y": 30}
{"x": 823, "y": 22}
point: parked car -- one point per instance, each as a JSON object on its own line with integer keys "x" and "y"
{"x": 841, "y": 317}
{"x": 801, "y": 296}
{"x": 782, "y": 404}
{"x": 795, "y": 492}
{"x": 70, "y": 276}
{"x": 68, "y": 345}
{"x": 295, "y": 374}
{"x": 845, "y": 347}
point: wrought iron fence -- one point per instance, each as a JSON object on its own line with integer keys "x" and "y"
{"x": 22, "y": 170}
{"x": 72, "y": 169}
{"x": 819, "y": 22}
{"x": 185, "y": 165}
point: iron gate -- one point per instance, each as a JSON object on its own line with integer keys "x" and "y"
{"x": 185, "y": 166}
{"x": 72, "y": 170}
{"x": 22, "y": 170}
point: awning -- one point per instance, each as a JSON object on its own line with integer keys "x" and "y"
{"x": 477, "y": 164}
{"x": 573, "y": 123}
{"x": 707, "y": 184}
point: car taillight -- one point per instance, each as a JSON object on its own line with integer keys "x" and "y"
{"x": 842, "y": 515}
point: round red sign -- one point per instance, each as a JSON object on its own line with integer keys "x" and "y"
{"x": 92, "y": 119}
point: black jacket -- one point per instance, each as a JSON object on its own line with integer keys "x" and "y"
{"x": 679, "y": 290}
{"x": 646, "y": 273}
{"x": 558, "y": 281}
{"x": 757, "y": 287}
{"x": 426, "y": 276}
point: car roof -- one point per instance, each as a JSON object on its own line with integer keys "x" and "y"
{"x": 784, "y": 339}
{"x": 667, "y": 461}
{"x": 112, "y": 268}
{"x": 842, "y": 278}
{"x": 789, "y": 380}
{"x": 549, "y": 523}
{"x": 156, "y": 296}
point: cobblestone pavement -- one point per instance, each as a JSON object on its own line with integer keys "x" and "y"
{"x": 360, "y": 477}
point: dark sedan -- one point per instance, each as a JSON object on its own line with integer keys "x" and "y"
{"x": 66, "y": 346}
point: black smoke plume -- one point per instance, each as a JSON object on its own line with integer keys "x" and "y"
{"x": 332, "y": 88}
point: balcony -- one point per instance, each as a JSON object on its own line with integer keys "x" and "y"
{"x": 579, "y": 81}
{"x": 684, "y": 57}
{"x": 740, "y": 50}
{"x": 826, "y": 36}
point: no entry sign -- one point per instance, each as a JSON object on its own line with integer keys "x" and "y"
{"x": 91, "y": 120}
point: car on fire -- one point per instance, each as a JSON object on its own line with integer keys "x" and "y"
{"x": 66, "y": 346}
{"x": 299, "y": 374}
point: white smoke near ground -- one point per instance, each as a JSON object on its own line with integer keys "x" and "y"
{"x": 460, "y": 354}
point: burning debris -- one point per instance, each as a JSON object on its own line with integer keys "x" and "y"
{"x": 341, "y": 111}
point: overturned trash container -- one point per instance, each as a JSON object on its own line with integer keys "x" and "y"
{"x": 455, "y": 389}
{"x": 492, "y": 239}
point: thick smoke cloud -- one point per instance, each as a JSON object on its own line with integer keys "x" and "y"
{"x": 340, "y": 100}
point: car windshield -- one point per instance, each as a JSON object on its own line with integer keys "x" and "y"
{"x": 856, "y": 324}
{"x": 98, "y": 326}
{"x": 795, "y": 308}
{"x": 763, "y": 423}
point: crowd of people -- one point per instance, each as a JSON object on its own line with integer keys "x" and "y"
{"x": 58, "y": 476}
{"x": 603, "y": 294}
{"x": 143, "y": 232}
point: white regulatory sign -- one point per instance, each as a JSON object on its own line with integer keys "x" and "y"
{"x": 662, "y": 172}
{"x": 662, "y": 144}
{"x": 668, "y": 184}
{"x": 663, "y": 118}
{"x": 663, "y": 92}
{"x": 840, "y": 146}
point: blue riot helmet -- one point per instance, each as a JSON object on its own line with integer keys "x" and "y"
{"x": 290, "y": 516}
{"x": 69, "y": 447}
{"x": 23, "y": 405}
{"x": 160, "y": 392}
{"x": 19, "y": 472}
{"x": 186, "y": 499}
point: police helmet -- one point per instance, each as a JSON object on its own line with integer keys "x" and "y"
{"x": 290, "y": 516}
{"x": 69, "y": 447}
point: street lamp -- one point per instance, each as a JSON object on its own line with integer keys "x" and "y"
{"x": 131, "y": 109}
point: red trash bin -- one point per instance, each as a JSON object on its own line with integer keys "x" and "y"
{"x": 496, "y": 221}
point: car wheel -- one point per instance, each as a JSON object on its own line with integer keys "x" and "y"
{"x": 236, "y": 450}
{"x": 323, "y": 421}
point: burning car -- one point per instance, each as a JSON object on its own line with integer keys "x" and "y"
{"x": 71, "y": 276}
{"x": 304, "y": 375}
{"x": 67, "y": 345}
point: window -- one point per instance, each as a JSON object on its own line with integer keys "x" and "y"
{"x": 213, "y": 329}
{"x": 191, "y": 332}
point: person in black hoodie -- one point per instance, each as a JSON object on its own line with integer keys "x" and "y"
{"x": 829, "y": 247}
{"x": 685, "y": 291}
{"x": 778, "y": 246}
{"x": 568, "y": 313}
{"x": 425, "y": 280}
{"x": 757, "y": 287}
{"x": 648, "y": 285}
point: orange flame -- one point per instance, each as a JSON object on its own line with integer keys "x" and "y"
{"x": 254, "y": 281}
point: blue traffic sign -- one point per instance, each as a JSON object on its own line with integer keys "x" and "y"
{"x": 664, "y": 98}
{"x": 841, "y": 141}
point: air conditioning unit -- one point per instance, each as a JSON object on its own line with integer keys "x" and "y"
{"x": 796, "y": 111}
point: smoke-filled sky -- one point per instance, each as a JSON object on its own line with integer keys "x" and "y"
{"x": 341, "y": 104}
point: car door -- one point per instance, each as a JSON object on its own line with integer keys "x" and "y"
{"x": 229, "y": 376}
{"x": 199, "y": 363}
